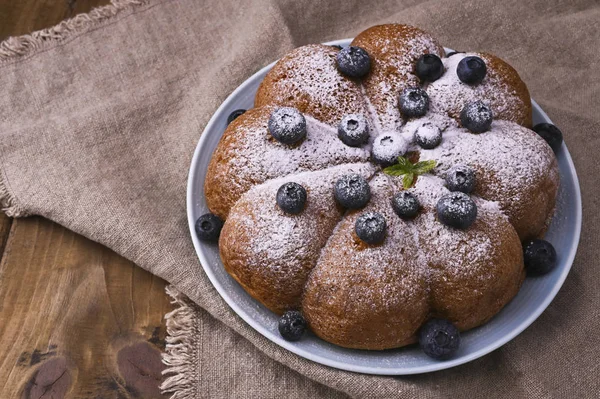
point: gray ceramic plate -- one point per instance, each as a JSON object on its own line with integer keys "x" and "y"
{"x": 535, "y": 295}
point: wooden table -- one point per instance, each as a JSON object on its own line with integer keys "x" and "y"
{"x": 76, "y": 319}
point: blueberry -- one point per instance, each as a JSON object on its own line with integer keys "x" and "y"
{"x": 370, "y": 227}
{"x": 439, "y": 339}
{"x": 539, "y": 257}
{"x": 353, "y": 130}
{"x": 387, "y": 147}
{"x": 292, "y": 325}
{"x": 406, "y": 205}
{"x": 471, "y": 70}
{"x": 456, "y": 210}
{"x": 413, "y": 102}
{"x": 287, "y": 125}
{"x": 232, "y": 116}
{"x": 429, "y": 68}
{"x": 291, "y": 197}
{"x": 476, "y": 116}
{"x": 551, "y": 134}
{"x": 428, "y": 136}
{"x": 460, "y": 178}
{"x": 353, "y": 61}
{"x": 352, "y": 191}
{"x": 208, "y": 227}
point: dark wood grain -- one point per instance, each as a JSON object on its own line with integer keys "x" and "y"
{"x": 76, "y": 320}
{"x": 5, "y": 223}
{"x": 19, "y": 17}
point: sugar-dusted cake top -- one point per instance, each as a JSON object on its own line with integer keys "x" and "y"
{"x": 382, "y": 187}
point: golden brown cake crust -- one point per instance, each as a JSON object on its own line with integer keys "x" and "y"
{"x": 269, "y": 252}
{"x": 377, "y": 297}
{"x": 513, "y": 166}
{"x": 248, "y": 155}
{"x": 502, "y": 89}
{"x": 504, "y": 72}
{"x": 219, "y": 195}
{"x": 287, "y": 84}
{"x": 472, "y": 273}
{"x": 394, "y": 50}
{"x": 368, "y": 296}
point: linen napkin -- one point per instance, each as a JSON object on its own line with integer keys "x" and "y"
{"x": 100, "y": 115}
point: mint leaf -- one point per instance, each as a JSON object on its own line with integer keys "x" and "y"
{"x": 408, "y": 180}
{"x": 404, "y": 163}
{"x": 409, "y": 170}
{"x": 395, "y": 170}
{"x": 424, "y": 167}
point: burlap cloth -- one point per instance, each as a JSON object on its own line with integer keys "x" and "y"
{"x": 99, "y": 117}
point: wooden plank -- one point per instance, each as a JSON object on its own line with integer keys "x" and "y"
{"x": 25, "y": 16}
{"x": 76, "y": 319}
{"x": 79, "y": 6}
{"x": 5, "y": 223}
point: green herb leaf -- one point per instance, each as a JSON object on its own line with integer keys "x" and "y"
{"x": 424, "y": 167}
{"x": 410, "y": 171}
{"x": 405, "y": 164}
{"x": 395, "y": 170}
{"x": 408, "y": 180}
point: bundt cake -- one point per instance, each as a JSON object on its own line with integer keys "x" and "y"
{"x": 379, "y": 187}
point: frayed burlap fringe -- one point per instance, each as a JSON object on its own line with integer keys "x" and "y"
{"x": 8, "y": 202}
{"x": 20, "y": 46}
{"x": 180, "y": 352}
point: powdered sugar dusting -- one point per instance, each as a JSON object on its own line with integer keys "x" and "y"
{"x": 388, "y": 146}
{"x": 308, "y": 79}
{"x": 259, "y": 157}
{"x": 430, "y": 121}
{"x": 279, "y": 249}
{"x": 280, "y": 225}
{"x": 448, "y": 95}
{"x": 374, "y": 263}
{"x": 393, "y": 70}
{"x": 395, "y": 278}
{"x": 423, "y": 239}
{"x": 509, "y": 158}
{"x": 459, "y": 252}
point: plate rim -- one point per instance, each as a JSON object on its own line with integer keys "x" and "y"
{"x": 371, "y": 369}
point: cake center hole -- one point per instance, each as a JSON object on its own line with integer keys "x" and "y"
{"x": 352, "y": 124}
